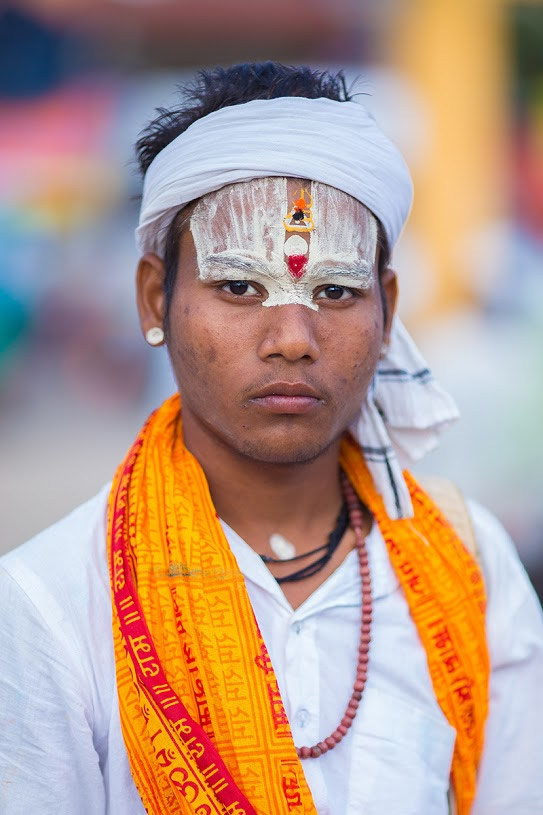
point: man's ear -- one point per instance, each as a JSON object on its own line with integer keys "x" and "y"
{"x": 150, "y": 292}
{"x": 389, "y": 290}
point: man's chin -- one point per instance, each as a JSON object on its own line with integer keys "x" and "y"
{"x": 288, "y": 452}
{"x": 280, "y": 443}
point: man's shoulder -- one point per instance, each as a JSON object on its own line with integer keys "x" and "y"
{"x": 65, "y": 561}
{"x": 480, "y": 530}
{"x": 487, "y": 528}
{"x": 505, "y": 577}
{"x": 485, "y": 537}
{"x": 55, "y": 626}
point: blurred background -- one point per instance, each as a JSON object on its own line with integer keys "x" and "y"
{"x": 459, "y": 86}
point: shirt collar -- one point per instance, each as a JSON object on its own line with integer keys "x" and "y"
{"x": 341, "y": 588}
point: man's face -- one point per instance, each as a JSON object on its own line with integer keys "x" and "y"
{"x": 276, "y": 319}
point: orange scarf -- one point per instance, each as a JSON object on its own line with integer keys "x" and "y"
{"x": 201, "y": 713}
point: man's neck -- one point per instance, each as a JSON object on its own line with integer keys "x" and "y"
{"x": 300, "y": 501}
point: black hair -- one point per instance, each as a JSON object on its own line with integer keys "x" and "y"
{"x": 223, "y": 87}
{"x": 214, "y": 89}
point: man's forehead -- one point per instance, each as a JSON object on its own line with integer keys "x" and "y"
{"x": 272, "y": 192}
{"x": 261, "y": 215}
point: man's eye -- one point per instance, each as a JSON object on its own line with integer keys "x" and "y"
{"x": 239, "y": 287}
{"x": 334, "y": 293}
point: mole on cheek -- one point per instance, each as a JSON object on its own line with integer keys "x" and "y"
{"x": 188, "y": 358}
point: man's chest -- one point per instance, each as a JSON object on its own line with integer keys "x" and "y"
{"x": 396, "y": 757}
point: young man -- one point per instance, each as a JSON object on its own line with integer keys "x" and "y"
{"x": 263, "y": 613}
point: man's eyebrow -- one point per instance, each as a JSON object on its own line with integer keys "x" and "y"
{"x": 230, "y": 261}
{"x": 358, "y": 268}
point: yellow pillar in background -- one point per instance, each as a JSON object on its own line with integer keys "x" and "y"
{"x": 455, "y": 53}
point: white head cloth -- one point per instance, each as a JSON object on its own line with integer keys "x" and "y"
{"x": 339, "y": 144}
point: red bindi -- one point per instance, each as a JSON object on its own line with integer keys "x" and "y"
{"x": 296, "y": 265}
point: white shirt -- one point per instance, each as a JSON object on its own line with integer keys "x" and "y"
{"x": 61, "y": 747}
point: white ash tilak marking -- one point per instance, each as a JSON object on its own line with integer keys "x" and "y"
{"x": 295, "y": 245}
{"x": 238, "y": 233}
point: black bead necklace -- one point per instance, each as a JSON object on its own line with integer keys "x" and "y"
{"x": 334, "y": 539}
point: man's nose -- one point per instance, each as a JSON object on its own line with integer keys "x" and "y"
{"x": 289, "y": 332}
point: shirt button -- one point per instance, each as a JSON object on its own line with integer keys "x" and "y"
{"x": 301, "y": 717}
{"x": 298, "y": 628}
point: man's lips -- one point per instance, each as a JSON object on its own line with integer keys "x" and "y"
{"x": 287, "y": 397}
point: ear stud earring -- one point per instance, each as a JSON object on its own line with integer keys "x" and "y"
{"x": 155, "y": 335}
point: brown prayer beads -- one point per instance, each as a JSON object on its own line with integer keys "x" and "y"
{"x": 356, "y": 519}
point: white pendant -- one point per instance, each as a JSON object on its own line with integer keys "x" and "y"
{"x": 281, "y": 547}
